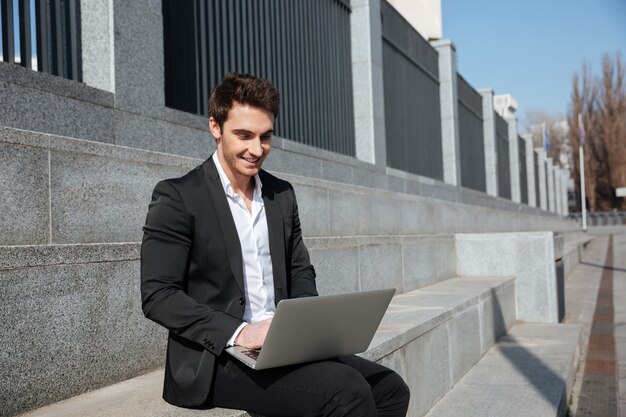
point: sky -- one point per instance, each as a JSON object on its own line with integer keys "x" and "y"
{"x": 532, "y": 48}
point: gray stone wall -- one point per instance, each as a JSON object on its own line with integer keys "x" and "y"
{"x": 63, "y": 190}
{"x": 72, "y": 322}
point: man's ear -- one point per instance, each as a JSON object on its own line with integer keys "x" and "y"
{"x": 216, "y": 131}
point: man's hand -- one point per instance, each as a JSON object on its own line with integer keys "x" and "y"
{"x": 252, "y": 336}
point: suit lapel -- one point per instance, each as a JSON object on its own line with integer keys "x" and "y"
{"x": 276, "y": 234}
{"x": 225, "y": 220}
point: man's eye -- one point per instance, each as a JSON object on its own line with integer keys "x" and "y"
{"x": 266, "y": 137}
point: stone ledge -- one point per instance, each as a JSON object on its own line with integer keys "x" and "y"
{"x": 137, "y": 397}
{"x": 16, "y": 74}
{"x": 410, "y": 316}
{"x": 415, "y": 313}
{"x": 527, "y": 374}
{"x": 70, "y": 156}
{"x": 14, "y": 257}
{"x": 52, "y": 142}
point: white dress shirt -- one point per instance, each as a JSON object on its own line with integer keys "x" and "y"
{"x": 251, "y": 227}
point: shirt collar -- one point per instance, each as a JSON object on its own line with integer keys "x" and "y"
{"x": 228, "y": 188}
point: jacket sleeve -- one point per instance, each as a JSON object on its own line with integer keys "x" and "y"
{"x": 165, "y": 253}
{"x": 302, "y": 272}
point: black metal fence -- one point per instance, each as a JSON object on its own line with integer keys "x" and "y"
{"x": 412, "y": 103}
{"x": 302, "y": 47}
{"x": 472, "y": 143}
{"x": 537, "y": 193}
{"x": 523, "y": 172}
{"x": 504, "y": 164}
{"x": 43, "y": 35}
{"x": 547, "y": 176}
{"x": 601, "y": 218}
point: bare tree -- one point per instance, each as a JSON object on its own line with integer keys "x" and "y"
{"x": 602, "y": 103}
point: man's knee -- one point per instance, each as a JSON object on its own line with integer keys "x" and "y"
{"x": 352, "y": 396}
{"x": 401, "y": 389}
{"x": 393, "y": 398}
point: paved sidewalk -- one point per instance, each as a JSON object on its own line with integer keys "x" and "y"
{"x": 596, "y": 298}
{"x": 619, "y": 302}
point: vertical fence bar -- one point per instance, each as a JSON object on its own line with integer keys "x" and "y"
{"x": 296, "y": 67}
{"x": 232, "y": 40}
{"x": 547, "y": 178}
{"x": 522, "y": 169}
{"x": 210, "y": 69}
{"x": 504, "y": 173}
{"x": 41, "y": 33}
{"x": 237, "y": 50}
{"x": 195, "y": 52}
{"x": 245, "y": 28}
{"x": 217, "y": 32}
{"x": 537, "y": 193}
{"x": 326, "y": 40}
{"x": 203, "y": 70}
{"x": 74, "y": 41}
{"x": 293, "y": 68}
{"x": 332, "y": 80}
{"x": 349, "y": 143}
{"x": 8, "y": 34}
{"x": 25, "y": 45}
{"x": 307, "y": 46}
{"x": 57, "y": 37}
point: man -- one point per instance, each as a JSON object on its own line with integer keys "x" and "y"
{"x": 222, "y": 246}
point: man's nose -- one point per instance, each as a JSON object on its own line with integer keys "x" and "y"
{"x": 255, "y": 148}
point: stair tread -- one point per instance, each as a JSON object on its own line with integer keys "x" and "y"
{"x": 529, "y": 372}
{"x": 410, "y": 315}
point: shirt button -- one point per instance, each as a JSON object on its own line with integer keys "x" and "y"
{"x": 242, "y": 301}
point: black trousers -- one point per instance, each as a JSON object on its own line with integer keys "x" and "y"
{"x": 346, "y": 386}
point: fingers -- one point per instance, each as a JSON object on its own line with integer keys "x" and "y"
{"x": 253, "y": 335}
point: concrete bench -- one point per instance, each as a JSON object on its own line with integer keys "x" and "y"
{"x": 432, "y": 336}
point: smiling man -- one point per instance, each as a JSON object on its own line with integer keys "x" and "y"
{"x": 222, "y": 246}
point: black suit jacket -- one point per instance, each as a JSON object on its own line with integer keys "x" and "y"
{"x": 192, "y": 271}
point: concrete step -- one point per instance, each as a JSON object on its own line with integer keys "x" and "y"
{"x": 137, "y": 397}
{"x": 66, "y": 190}
{"x": 528, "y": 373}
{"x": 431, "y": 336}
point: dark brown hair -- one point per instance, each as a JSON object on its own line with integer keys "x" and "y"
{"x": 244, "y": 89}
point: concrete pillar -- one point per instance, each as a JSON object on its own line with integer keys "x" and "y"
{"x": 541, "y": 172}
{"x": 139, "y": 76}
{"x": 489, "y": 137}
{"x": 97, "y": 52}
{"x": 530, "y": 170}
{"x": 450, "y": 136}
{"x": 551, "y": 190}
{"x": 565, "y": 173}
{"x": 367, "y": 73}
{"x": 514, "y": 160}
{"x": 563, "y": 194}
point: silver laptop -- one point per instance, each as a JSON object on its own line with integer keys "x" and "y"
{"x": 316, "y": 328}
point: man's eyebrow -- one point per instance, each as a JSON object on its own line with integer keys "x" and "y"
{"x": 250, "y": 132}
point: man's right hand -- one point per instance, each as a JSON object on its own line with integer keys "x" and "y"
{"x": 252, "y": 336}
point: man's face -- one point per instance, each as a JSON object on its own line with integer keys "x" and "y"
{"x": 244, "y": 140}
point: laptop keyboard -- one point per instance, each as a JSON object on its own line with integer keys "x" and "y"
{"x": 254, "y": 354}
